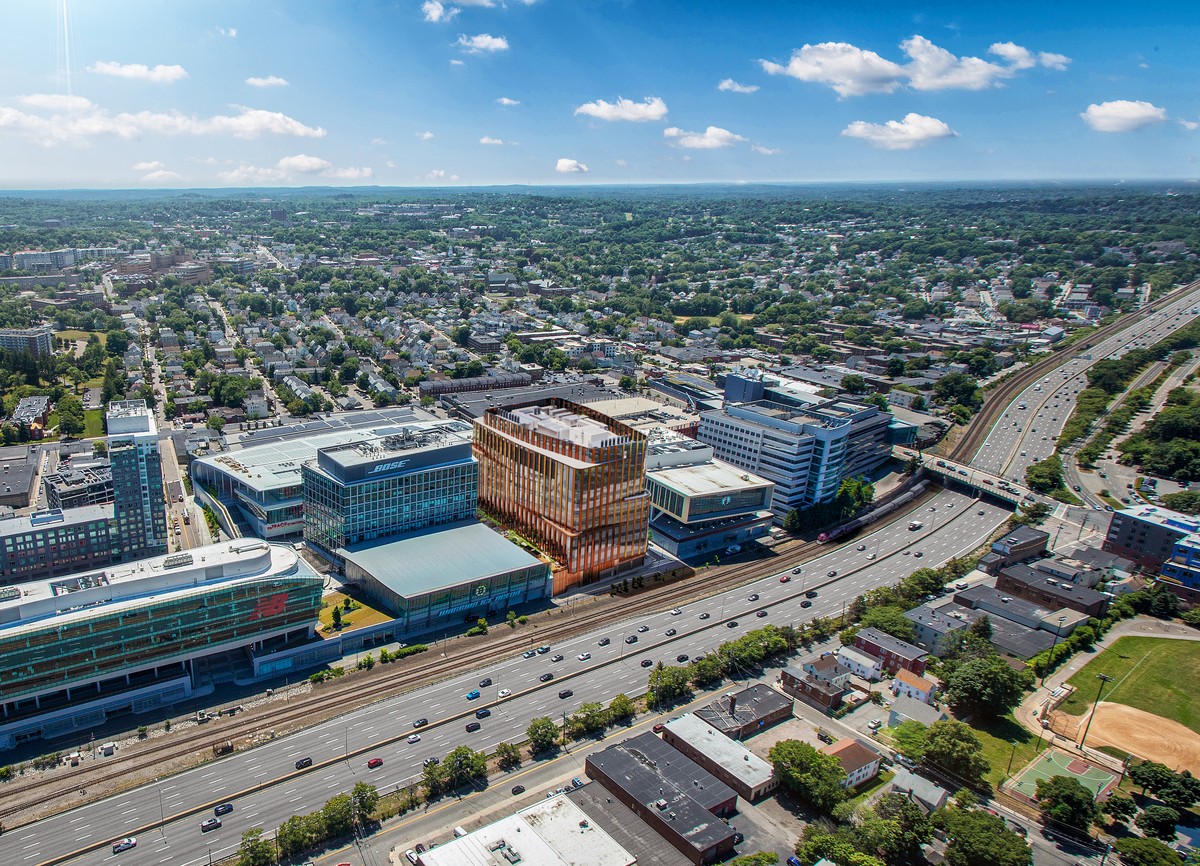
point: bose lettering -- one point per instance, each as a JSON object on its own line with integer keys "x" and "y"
{"x": 387, "y": 467}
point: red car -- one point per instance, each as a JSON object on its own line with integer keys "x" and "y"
{"x": 658, "y": 728}
{"x": 785, "y": 579}
{"x": 374, "y": 763}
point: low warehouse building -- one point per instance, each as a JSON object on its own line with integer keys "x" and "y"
{"x": 730, "y": 761}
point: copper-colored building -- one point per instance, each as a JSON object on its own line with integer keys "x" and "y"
{"x": 570, "y": 479}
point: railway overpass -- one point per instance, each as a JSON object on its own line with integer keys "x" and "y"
{"x": 963, "y": 474}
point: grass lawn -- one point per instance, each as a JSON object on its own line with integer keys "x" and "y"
{"x": 1151, "y": 674}
{"x": 361, "y": 616}
{"x": 81, "y": 335}
{"x": 998, "y": 738}
{"x": 871, "y": 787}
{"x": 93, "y": 423}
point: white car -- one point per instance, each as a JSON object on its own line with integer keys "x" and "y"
{"x": 124, "y": 844}
{"x": 414, "y": 738}
{"x": 504, "y": 693}
{"x": 584, "y": 656}
{"x": 676, "y": 611}
{"x": 875, "y": 724}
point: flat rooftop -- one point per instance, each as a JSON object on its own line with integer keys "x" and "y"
{"x": 700, "y": 479}
{"x": 1164, "y": 517}
{"x": 554, "y": 832}
{"x": 135, "y": 582}
{"x": 734, "y": 758}
{"x": 409, "y": 439}
{"x": 563, "y": 424}
{"x": 430, "y": 559}
{"x": 54, "y": 517}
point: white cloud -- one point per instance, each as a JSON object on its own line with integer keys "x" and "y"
{"x": 854, "y": 71}
{"x": 439, "y": 174}
{"x": 290, "y": 166}
{"x": 90, "y": 121}
{"x": 487, "y": 139}
{"x": 622, "y": 163}
{"x": 482, "y": 42}
{"x": 161, "y": 175}
{"x": 849, "y": 70}
{"x": 390, "y": 164}
{"x": 228, "y": 32}
{"x": 506, "y": 102}
{"x": 650, "y": 108}
{"x": 567, "y": 166}
{"x": 765, "y": 151}
{"x": 1189, "y": 124}
{"x": 488, "y": 4}
{"x": 267, "y": 81}
{"x": 148, "y": 166}
{"x": 377, "y": 141}
{"x": 1122, "y": 115}
{"x": 425, "y": 136}
{"x": 159, "y": 74}
{"x": 55, "y": 102}
{"x": 913, "y": 131}
{"x": 456, "y": 62}
{"x": 436, "y": 12}
{"x": 732, "y": 86}
{"x": 712, "y": 138}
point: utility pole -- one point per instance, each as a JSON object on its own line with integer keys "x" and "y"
{"x": 1054, "y": 643}
{"x": 1104, "y": 678}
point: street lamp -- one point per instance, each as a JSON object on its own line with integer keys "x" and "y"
{"x": 1104, "y": 678}
{"x": 1062, "y": 619}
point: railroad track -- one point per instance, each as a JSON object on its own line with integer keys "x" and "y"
{"x": 342, "y": 698}
{"x": 999, "y": 399}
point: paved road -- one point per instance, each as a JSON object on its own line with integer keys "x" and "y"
{"x": 611, "y": 669}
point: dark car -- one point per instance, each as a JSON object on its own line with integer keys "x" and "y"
{"x": 647, "y": 663}
{"x": 485, "y": 682}
{"x": 420, "y": 723}
{"x": 812, "y": 593}
{"x": 681, "y": 658}
{"x": 752, "y": 597}
{"x": 705, "y": 615}
{"x": 738, "y": 838}
{"x": 731, "y": 624}
{"x": 472, "y": 727}
{"x": 604, "y": 641}
{"x": 483, "y": 713}
{"x": 565, "y": 693}
{"x": 831, "y": 573}
{"x": 420, "y": 848}
{"x": 518, "y": 789}
{"x": 209, "y": 824}
{"x": 542, "y": 650}
{"x": 546, "y": 677}
{"x": 631, "y": 639}
{"x": 806, "y": 603}
{"x": 303, "y": 762}
{"x": 223, "y": 809}
{"x": 671, "y": 632}
{"x": 761, "y": 613}
{"x": 528, "y": 654}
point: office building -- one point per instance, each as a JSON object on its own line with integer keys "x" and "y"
{"x": 728, "y": 760}
{"x": 700, "y": 506}
{"x": 569, "y": 479}
{"x": 1147, "y": 534}
{"x": 55, "y": 542}
{"x": 35, "y": 341}
{"x": 139, "y": 509}
{"x": 127, "y": 637}
{"x": 257, "y": 484}
{"x": 1181, "y": 572}
{"x": 75, "y": 488}
{"x": 677, "y": 797}
{"x": 407, "y": 479}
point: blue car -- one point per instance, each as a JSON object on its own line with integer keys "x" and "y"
{"x": 473, "y": 695}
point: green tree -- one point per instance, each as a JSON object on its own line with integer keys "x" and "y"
{"x": 1159, "y": 822}
{"x": 622, "y": 708}
{"x": 1045, "y": 476}
{"x": 953, "y": 746}
{"x": 338, "y": 815}
{"x": 1151, "y": 776}
{"x": 364, "y": 799}
{"x": 215, "y": 422}
{"x": 1119, "y": 808}
{"x": 1145, "y": 852}
{"x": 958, "y": 389}
{"x": 464, "y": 765}
{"x": 116, "y": 342}
{"x": 255, "y": 850}
{"x": 889, "y": 619}
{"x": 433, "y": 779}
{"x": 295, "y": 835}
{"x": 897, "y": 829}
{"x": 761, "y": 858}
{"x": 980, "y": 839}
{"x": 667, "y": 684}
{"x": 508, "y": 755}
{"x": 986, "y": 686}
{"x": 853, "y": 383}
{"x": 811, "y": 775}
{"x": 336, "y": 618}
{"x": 70, "y": 415}
{"x": 542, "y": 734}
{"x": 1065, "y": 802}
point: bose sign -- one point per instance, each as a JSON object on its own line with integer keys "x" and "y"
{"x": 388, "y": 467}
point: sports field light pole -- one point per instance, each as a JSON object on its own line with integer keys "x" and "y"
{"x": 1104, "y": 678}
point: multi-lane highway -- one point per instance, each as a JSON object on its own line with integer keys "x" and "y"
{"x": 265, "y": 787}
{"x": 889, "y": 554}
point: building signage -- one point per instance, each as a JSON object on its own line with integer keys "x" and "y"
{"x": 387, "y": 467}
{"x": 348, "y": 467}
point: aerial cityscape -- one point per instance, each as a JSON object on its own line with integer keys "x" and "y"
{"x": 470, "y": 433}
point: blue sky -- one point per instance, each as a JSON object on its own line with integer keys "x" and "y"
{"x": 179, "y": 93}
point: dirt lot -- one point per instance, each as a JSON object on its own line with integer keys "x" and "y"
{"x": 1146, "y": 735}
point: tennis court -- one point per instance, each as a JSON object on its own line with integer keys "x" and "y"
{"x": 1052, "y": 763}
